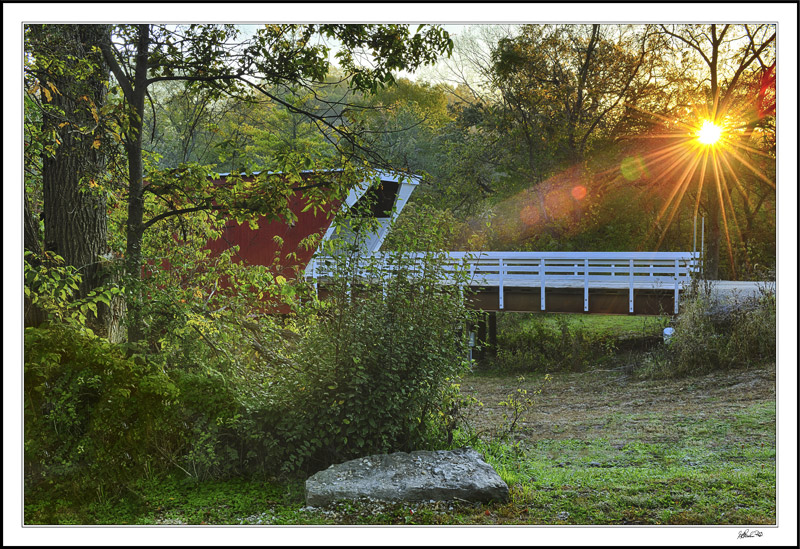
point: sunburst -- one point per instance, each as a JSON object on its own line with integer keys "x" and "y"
{"x": 709, "y": 133}
{"x": 708, "y": 149}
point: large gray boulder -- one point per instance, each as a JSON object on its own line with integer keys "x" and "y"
{"x": 417, "y": 476}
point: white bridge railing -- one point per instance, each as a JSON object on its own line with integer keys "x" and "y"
{"x": 607, "y": 270}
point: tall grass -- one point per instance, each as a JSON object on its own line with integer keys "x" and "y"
{"x": 712, "y": 333}
{"x": 541, "y": 342}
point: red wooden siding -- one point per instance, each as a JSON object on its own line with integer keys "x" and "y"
{"x": 258, "y": 246}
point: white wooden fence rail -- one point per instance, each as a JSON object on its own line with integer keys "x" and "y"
{"x": 606, "y": 270}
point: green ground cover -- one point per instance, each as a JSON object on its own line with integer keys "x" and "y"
{"x": 652, "y": 462}
{"x": 596, "y": 325}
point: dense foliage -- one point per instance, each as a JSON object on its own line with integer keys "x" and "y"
{"x": 228, "y": 391}
{"x": 535, "y": 343}
{"x": 377, "y": 373}
{"x": 94, "y": 418}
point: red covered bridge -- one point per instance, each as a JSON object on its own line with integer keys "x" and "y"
{"x": 385, "y": 196}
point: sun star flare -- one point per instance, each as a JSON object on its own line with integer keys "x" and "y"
{"x": 709, "y": 133}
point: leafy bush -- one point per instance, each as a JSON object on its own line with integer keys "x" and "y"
{"x": 93, "y": 418}
{"x": 50, "y": 287}
{"x": 754, "y": 334}
{"x": 376, "y": 370}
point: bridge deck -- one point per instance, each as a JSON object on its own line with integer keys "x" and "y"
{"x": 664, "y": 273}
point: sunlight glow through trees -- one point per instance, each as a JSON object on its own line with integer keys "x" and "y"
{"x": 709, "y": 133}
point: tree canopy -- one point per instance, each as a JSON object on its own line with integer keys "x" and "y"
{"x": 280, "y": 63}
{"x": 538, "y": 137}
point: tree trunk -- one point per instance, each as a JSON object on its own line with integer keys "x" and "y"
{"x": 133, "y": 148}
{"x": 134, "y": 234}
{"x": 713, "y": 239}
{"x": 75, "y": 218}
{"x": 74, "y": 208}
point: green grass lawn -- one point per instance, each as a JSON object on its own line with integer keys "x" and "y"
{"x": 710, "y": 471}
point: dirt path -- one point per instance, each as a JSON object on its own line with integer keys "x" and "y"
{"x": 617, "y": 407}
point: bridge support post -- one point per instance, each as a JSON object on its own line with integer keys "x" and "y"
{"x": 542, "y": 282}
{"x": 585, "y": 285}
{"x": 630, "y": 291}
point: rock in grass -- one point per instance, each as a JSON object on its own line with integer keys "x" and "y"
{"x": 417, "y": 476}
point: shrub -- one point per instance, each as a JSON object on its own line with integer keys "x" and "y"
{"x": 50, "y": 288}
{"x": 754, "y": 335}
{"x": 93, "y": 418}
{"x": 375, "y": 371}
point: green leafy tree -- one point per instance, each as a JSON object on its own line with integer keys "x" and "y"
{"x": 181, "y": 125}
{"x": 66, "y": 154}
{"x": 733, "y": 64}
{"x": 406, "y": 120}
{"x": 187, "y": 124}
{"x": 566, "y": 87}
{"x": 211, "y": 57}
{"x": 269, "y": 135}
